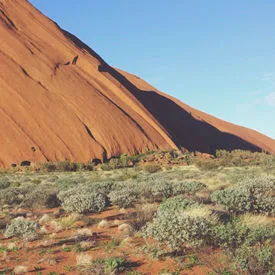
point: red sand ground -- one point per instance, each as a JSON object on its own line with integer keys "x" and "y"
{"x": 51, "y": 109}
{"x": 47, "y": 253}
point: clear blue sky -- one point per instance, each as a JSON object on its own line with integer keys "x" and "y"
{"x": 217, "y": 56}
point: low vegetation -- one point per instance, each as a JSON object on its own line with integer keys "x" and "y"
{"x": 181, "y": 207}
{"x": 22, "y": 227}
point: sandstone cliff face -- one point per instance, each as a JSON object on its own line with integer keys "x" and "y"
{"x": 60, "y": 100}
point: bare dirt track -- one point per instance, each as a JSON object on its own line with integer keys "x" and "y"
{"x": 60, "y": 100}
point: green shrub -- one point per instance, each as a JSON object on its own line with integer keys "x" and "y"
{"x": 114, "y": 265}
{"x": 259, "y": 234}
{"x": 165, "y": 188}
{"x": 48, "y": 166}
{"x": 21, "y": 227}
{"x": 175, "y": 205}
{"x": 107, "y": 266}
{"x": 43, "y": 196}
{"x": 116, "y": 163}
{"x": 175, "y": 230}
{"x": 14, "y": 195}
{"x": 104, "y": 187}
{"x": 4, "y": 184}
{"x": 124, "y": 161}
{"x": 151, "y": 168}
{"x": 189, "y": 188}
{"x": 74, "y": 191}
{"x": 124, "y": 197}
{"x": 90, "y": 166}
{"x": 233, "y": 199}
{"x": 65, "y": 183}
{"x": 11, "y": 196}
{"x": 105, "y": 167}
{"x": 229, "y": 235}
{"x": 250, "y": 195}
{"x": 162, "y": 189}
{"x": 207, "y": 164}
{"x": 143, "y": 189}
{"x": 234, "y": 234}
{"x": 66, "y": 166}
{"x": 244, "y": 158}
{"x": 256, "y": 259}
{"x": 85, "y": 203}
{"x": 69, "y": 188}
{"x": 239, "y": 158}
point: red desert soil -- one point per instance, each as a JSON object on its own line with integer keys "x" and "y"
{"x": 60, "y": 100}
{"x": 48, "y": 252}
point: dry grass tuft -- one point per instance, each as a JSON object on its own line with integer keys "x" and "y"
{"x": 143, "y": 214}
{"x": 84, "y": 259}
{"x": 55, "y": 226}
{"x": 84, "y": 232}
{"x": 126, "y": 229}
{"x": 44, "y": 219}
{"x": 117, "y": 222}
{"x": 204, "y": 212}
{"x": 69, "y": 221}
{"x": 20, "y": 269}
{"x": 86, "y": 245}
{"x": 104, "y": 224}
{"x": 11, "y": 246}
{"x": 44, "y": 230}
{"x": 252, "y": 220}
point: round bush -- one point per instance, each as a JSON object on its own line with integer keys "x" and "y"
{"x": 85, "y": 203}
{"x": 76, "y": 190}
{"x": 14, "y": 195}
{"x": 175, "y": 230}
{"x": 162, "y": 189}
{"x": 251, "y": 195}
{"x": 151, "y": 168}
{"x": 233, "y": 234}
{"x": 21, "y": 227}
{"x": 173, "y": 227}
{"x": 186, "y": 187}
{"x": 44, "y": 196}
{"x": 4, "y": 184}
{"x": 175, "y": 205}
{"x": 256, "y": 259}
{"x": 103, "y": 186}
{"x": 123, "y": 198}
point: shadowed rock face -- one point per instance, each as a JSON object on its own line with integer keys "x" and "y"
{"x": 61, "y": 98}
